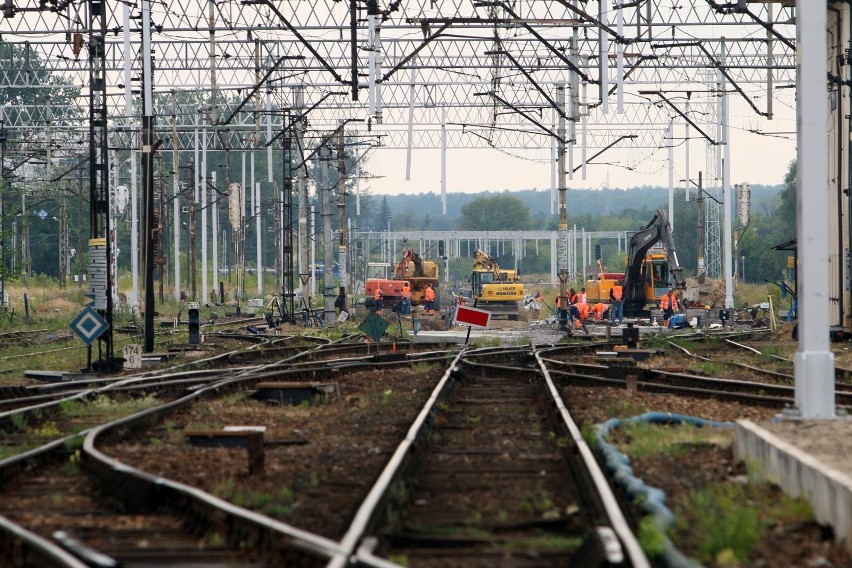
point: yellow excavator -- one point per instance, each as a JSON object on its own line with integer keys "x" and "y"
{"x": 651, "y": 269}
{"x": 495, "y": 289}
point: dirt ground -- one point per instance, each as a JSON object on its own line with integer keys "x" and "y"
{"x": 320, "y": 459}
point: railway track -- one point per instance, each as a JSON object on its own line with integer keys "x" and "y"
{"x": 102, "y": 513}
{"x": 194, "y": 532}
{"x": 491, "y": 470}
{"x": 494, "y": 472}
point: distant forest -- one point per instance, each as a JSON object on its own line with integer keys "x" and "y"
{"x": 424, "y": 212}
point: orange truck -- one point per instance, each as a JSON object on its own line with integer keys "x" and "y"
{"x": 391, "y": 290}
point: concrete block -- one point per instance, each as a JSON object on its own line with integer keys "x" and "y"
{"x": 799, "y": 474}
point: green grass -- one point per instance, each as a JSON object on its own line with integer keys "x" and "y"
{"x": 9, "y": 451}
{"x": 776, "y": 350}
{"x": 710, "y": 343}
{"x": 480, "y": 342}
{"x": 105, "y": 408}
{"x": 717, "y": 523}
{"x": 644, "y": 439}
{"x": 70, "y": 355}
{"x": 537, "y": 502}
{"x": 726, "y": 521}
{"x": 73, "y": 466}
{"x": 278, "y": 504}
{"x": 731, "y": 527}
{"x": 652, "y": 538}
{"x": 424, "y": 367}
{"x": 709, "y": 367}
{"x": 624, "y": 408}
{"x": 750, "y": 294}
{"x": 237, "y": 398}
{"x": 655, "y": 342}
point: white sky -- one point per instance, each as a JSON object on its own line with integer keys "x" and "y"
{"x": 755, "y": 158}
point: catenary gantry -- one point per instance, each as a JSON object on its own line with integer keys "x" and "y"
{"x": 486, "y": 72}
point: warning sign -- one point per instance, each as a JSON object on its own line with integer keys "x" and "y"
{"x": 472, "y": 317}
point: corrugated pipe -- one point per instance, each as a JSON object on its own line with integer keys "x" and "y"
{"x": 652, "y": 500}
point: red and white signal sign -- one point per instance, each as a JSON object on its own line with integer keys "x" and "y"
{"x": 472, "y": 317}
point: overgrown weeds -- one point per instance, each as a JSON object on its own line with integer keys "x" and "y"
{"x": 726, "y": 521}
{"x": 643, "y": 439}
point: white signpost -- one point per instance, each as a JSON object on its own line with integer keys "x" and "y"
{"x": 132, "y": 356}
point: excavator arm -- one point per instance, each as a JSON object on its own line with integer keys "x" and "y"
{"x": 482, "y": 261}
{"x": 408, "y": 257}
{"x": 658, "y": 229}
{"x": 675, "y": 269}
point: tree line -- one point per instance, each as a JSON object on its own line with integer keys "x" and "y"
{"x": 772, "y": 221}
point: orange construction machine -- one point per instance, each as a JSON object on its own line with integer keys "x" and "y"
{"x": 411, "y": 274}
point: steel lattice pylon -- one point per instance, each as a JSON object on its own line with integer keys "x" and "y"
{"x": 712, "y": 212}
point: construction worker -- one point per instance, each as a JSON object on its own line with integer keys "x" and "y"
{"x": 429, "y": 300}
{"x": 378, "y": 298}
{"x": 616, "y": 296}
{"x": 340, "y": 301}
{"x": 599, "y": 311}
{"x": 584, "y": 310}
{"x": 405, "y": 306}
{"x": 535, "y": 306}
{"x": 669, "y": 305}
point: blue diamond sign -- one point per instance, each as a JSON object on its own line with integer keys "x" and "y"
{"x": 42, "y": 214}
{"x": 88, "y": 325}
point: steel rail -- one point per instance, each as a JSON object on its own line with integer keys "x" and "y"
{"x": 303, "y": 540}
{"x": 393, "y": 470}
{"x": 757, "y": 351}
{"x": 582, "y": 380}
{"x": 39, "y": 551}
{"x": 629, "y": 542}
{"x": 776, "y": 374}
{"x": 366, "y": 516}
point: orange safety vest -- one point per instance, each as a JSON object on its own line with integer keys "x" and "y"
{"x": 406, "y": 293}
{"x": 429, "y": 294}
{"x": 617, "y": 293}
{"x": 584, "y": 310}
{"x": 598, "y": 310}
{"x": 378, "y": 295}
{"x": 664, "y": 302}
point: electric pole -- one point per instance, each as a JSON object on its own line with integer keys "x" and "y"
{"x": 148, "y": 172}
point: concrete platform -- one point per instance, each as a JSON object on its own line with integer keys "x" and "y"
{"x": 59, "y": 376}
{"x": 512, "y": 337}
{"x": 458, "y": 336}
{"x": 809, "y": 459}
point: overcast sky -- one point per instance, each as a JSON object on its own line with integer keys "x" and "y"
{"x": 755, "y": 158}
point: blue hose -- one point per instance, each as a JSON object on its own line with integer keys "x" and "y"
{"x": 652, "y": 500}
